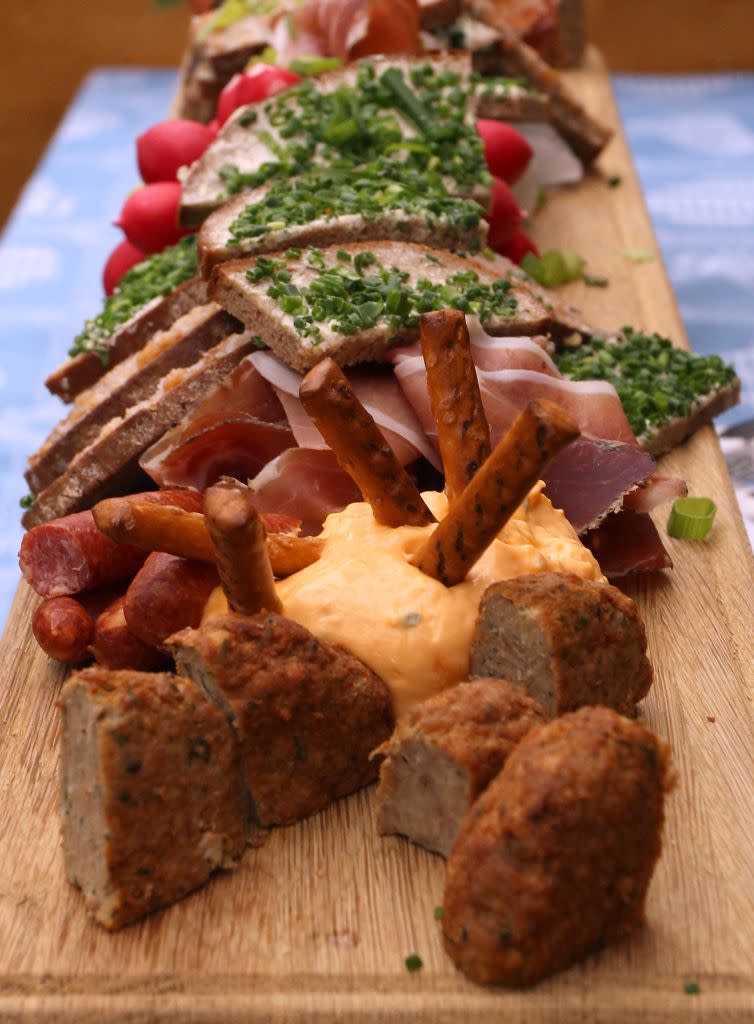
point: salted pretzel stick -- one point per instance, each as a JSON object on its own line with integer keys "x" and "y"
{"x": 494, "y": 494}
{"x": 176, "y": 532}
{"x": 360, "y": 448}
{"x": 240, "y": 542}
{"x": 462, "y": 428}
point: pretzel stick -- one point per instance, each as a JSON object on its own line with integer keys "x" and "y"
{"x": 462, "y": 428}
{"x": 155, "y": 527}
{"x": 360, "y": 448}
{"x": 240, "y": 542}
{"x": 494, "y": 494}
{"x": 169, "y": 529}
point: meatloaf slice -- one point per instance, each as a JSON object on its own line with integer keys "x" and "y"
{"x": 308, "y": 715}
{"x": 444, "y": 752}
{"x": 556, "y": 856}
{"x": 567, "y": 640}
{"x": 151, "y": 791}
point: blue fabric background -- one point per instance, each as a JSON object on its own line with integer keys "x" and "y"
{"x": 692, "y": 138}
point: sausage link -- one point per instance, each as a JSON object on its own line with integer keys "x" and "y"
{"x": 63, "y": 628}
{"x": 115, "y": 646}
{"x": 166, "y": 595}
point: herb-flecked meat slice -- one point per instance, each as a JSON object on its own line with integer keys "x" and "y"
{"x": 151, "y": 791}
{"x": 308, "y": 715}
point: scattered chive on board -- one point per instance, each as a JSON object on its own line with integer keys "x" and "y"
{"x": 414, "y": 962}
{"x": 691, "y": 518}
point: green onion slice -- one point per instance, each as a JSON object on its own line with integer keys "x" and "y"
{"x": 691, "y": 518}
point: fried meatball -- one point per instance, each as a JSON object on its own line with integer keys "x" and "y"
{"x": 308, "y": 715}
{"x": 444, "y": 752}
{"x": 555, "y": 857}
{"x": 151, "y": 791}
{"x": 569, "y": 641}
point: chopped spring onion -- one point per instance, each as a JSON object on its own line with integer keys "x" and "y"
{"x": 691, "y": 518}
{"x": 313, "y": 65}
{"x": 438, "y": 913}
{"x": 555, "y": 267}
{"x": 414, "y": 962}
{"x": 638, "y": 255}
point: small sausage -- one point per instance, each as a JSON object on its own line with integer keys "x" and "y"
{"x": 360, "y": 447}
{"x": 63, "y": 628}
{"x": 115, "y": 646}
{"x": 70, "y": 555}
{"x": 166, "y": 595}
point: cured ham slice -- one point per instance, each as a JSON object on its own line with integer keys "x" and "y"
{"x": 378, "y": 391}
{"x": 628, "y": 542}
{"x": 234, "y": 432}
{"x": 306, "y": 483}
{"x": 595, "y": 405}
{"x": 237, "y": 446}
{"x": 357, "y": 28}
{"x": 590, "y": 477}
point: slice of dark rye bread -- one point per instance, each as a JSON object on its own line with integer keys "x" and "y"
{"x": 301, "y": 349}
{"x": 109, "y": 464}
{"x": 666, "y": 437}
{"x": 435, "y": 14}
{"x": 583, "y": 133}
{"x": 127, "y": 384}
{"x": 81, "y": 371}
{"x": 251, "y": 140}
{"x": 216, "y": 244}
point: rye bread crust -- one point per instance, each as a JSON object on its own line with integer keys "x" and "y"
{"x": 125, "y": 385}
{"x": 150, "y": 789}
{"x": 81, "y": 371}
{"x": 109, "y": 465}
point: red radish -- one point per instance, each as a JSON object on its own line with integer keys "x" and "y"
{"x": 149, "y": 217}
{"x": 518, "y": 247}
{"x": 122, "y": 258}
{"x": 166, "y": 146}
{"x": 505, "y": 216}
{"x": 258, "y": 83}
{"x": 506, "y": 150}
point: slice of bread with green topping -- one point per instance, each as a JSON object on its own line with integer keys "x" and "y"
{"x": 668, "y": 393}
{"x": 109, "y": 464}
{"x": 149, "y": 298}
{"x": 339, "y": 206}
{"x": 126, "y": 384}
{"x": 414, "y": 115}
{"x": 354, "y": 302}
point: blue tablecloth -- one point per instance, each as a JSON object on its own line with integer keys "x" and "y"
{"x": 692, "y": 138}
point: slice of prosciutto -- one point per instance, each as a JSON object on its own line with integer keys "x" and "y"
{"x": 306, "y": 483}
{"x": 378, "y": 391}
{"x": 237, "y": 430}
{"x": 357, "y": 28}
{"x": 657, "y": 490}
{"x": 628, "y": 542}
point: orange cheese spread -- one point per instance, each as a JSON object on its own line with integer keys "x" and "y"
{"x": 411, "y": 630}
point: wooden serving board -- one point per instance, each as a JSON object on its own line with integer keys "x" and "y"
{"x": 316, "y": 924}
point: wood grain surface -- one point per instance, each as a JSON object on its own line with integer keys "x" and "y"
{"x": 316, "y": 924}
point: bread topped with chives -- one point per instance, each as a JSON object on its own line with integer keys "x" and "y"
{"x": 355, "y": 301}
